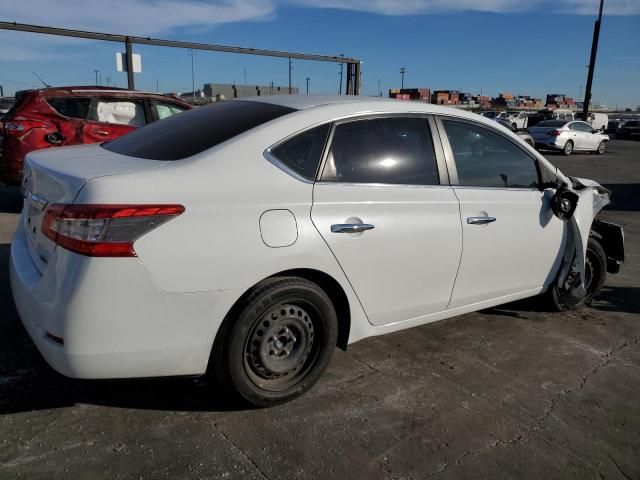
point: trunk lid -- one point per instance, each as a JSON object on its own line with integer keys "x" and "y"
{"x": 56, "y": 175}
{"x": 541, "y": 132}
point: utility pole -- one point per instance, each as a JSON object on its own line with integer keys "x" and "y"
{"x": 403, "y": 70}
{"x": 308, "y": 80}
{"x": 97, "y": 71}
{"x": 341, "y": 69}
{"x": 108, "y": 80}
{"x": 128, "y": 48}
{"x": 193, "y": 78}
{"x": 592, "y": 62}
{"x": 290, "y": 67}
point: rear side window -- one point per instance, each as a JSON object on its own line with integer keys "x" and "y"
{"x": 195, "y": 131}
{"x": 395, "y": 150}
{"x": 162, "y": 110}
{"x": 302, "y": 153}
{"x": 72, "y": 107}
{"x": 486, "y": 159}
{"x": 118, "y": 111}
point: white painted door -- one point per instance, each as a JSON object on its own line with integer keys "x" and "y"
{"x": 394, "y": 230}
{"x": 512, "y": 242}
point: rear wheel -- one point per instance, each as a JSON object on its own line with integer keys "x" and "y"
{"x": 276, "y": 346}
{"x": 602, "y": 147}
{"x": 594, "y": 276}
{"x": 568, "y": 148}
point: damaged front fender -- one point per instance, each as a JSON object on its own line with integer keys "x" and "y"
{"x": 591, "y": 199}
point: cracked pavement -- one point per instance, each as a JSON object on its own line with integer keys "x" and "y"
{"x": 513, "y": 391}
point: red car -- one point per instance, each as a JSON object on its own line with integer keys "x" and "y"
{"x": 59, "y": 116}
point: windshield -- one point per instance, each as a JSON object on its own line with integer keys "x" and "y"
{"x": 196, "y": 130}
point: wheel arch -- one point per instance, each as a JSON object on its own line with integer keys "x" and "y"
{"x": 328, "y": 283}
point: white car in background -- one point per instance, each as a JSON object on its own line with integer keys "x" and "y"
{"x": 518, "y": 120}
{"x": 247, "y": 239}
{"x": 568, "y": 136}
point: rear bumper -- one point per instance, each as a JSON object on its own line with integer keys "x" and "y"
{"x": 114, "y": 321}
{"x": 549, "y": 144}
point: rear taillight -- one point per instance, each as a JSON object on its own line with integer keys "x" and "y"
{"x": 554, "y": 133}
{"x": 19, "y": 126}
{"x": 104, "y": 230}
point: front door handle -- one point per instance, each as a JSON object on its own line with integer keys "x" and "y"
{"x": 351, "y": 227}
{"x": 480, "y": 220}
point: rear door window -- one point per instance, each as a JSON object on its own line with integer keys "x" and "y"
{"x": 195, "y": 131}
{"x": 302, "y": 153}
{"x": 120, "y": 111}
{"x": 393, "y": 150}
{"x": 72, "y": 107}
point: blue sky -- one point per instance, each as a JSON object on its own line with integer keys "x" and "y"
{"x": 534, "y": 47}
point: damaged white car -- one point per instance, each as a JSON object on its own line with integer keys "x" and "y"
{"x": 248, "y": 239}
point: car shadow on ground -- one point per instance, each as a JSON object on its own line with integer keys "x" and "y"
{"x": 10, "y": 199}
{"x": 611, "y": 299}
{"x": 625, "y": 197}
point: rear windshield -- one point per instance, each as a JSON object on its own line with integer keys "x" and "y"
{"x": 196, "y": 130}
{"x": 552, "y": 123}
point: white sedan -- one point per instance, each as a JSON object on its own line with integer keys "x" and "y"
{"x": 247, "y": 239}
{"x": 568, "y": 136}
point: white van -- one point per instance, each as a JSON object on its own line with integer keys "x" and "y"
{"x": 598, "y": 121}
{"x": 563, "y": 114}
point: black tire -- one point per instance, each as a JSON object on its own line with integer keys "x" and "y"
{"x": 602, "y": 147}
{"x": 595, "y": 276}
{"x": 568, "y": 148}
{"x": 514, "y": 125}
{"x": 277, "y": 344}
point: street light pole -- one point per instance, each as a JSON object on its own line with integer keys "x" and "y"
{"x": 97, "y": 71}
{"x": 290, "y": 67}
{"x": 592, "y": 62}
{"x": 308, "y": 80}
{"x": 403, "y": 70}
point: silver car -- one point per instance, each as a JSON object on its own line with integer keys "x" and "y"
{"x": 568, "y": 136}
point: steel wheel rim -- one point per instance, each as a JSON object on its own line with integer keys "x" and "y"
{"x": 601, "y": 147}
{"x": 282, "y": 345}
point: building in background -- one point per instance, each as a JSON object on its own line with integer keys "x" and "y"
{"x": 225, "y": 91}
{"x": 559, "y": 100}
{"x": 416, "y": 94}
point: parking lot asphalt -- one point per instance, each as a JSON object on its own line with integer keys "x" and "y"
{"x": 509, "y": 392}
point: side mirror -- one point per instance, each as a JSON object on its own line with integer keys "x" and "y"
{"x": 564, "y": 204}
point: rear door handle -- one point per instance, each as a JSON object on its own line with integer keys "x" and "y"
{"x": 351, "y": 227}
{"x": 480, "y": 220}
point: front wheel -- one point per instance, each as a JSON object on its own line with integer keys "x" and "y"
{"x": 601, "y": 148}
{"x": 276, "y": 346}
{"x": 594, "y": 276}
{"x": 568, "y": 148}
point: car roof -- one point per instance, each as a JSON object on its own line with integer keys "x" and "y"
{"x": 302, "y": 102}
{"x": 362, "y": 104}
